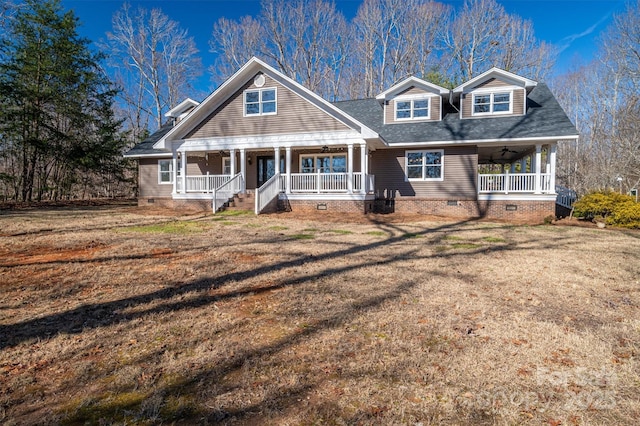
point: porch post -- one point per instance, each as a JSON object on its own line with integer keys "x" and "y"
{"x": 288, "y": 166}
{"x": 232, "y": 161}
{"x": 552, "y": 167}
{"x": 538, "y": 187}
{"x": 174, "y": 166}
{"x": 183, "y": 162}
{"x": 350, "y": 168}
{"x": 276, "y": 156}
{"x": 243, "y": 168}
{"x": 363, "y": 168}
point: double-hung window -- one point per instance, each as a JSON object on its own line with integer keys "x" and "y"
{"x": 412, "y": 109}
{"x": 165, "y": 172}
{"x": 492, "y": 103}
{"x": 226, "y": 165}
{"x": 260, "y": 102}
{"x": 424, "y": 165}
{"x": 324, "y": 163}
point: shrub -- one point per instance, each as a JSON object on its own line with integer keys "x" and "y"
{"x": 626, "y": 215}
{"x": 617, "y": 209}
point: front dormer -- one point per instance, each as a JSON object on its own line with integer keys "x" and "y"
{"x": 495, "y": 93}
{"x": 181, "y": 110}
{"x": 412, "y": 100}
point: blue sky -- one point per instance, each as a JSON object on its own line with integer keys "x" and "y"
{"x": 572, "y": 25}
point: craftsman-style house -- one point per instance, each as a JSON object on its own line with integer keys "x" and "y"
{"x": 484, "y": 149}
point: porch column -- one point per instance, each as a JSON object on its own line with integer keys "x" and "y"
{"x": 363, "y": 167}
{"x": 183, "y": 162}
{"x": 538, "y": 187}
{"x": 523, "y": 165}
{"x": 243, "y": 168}
{"x": 232, "y": 162}
{"x": 350, "y": 168}
{"x": 174, "y": 167}
{"x": 276, "y": 156}
{"x": 552, "y": 167}
{"x": 288, "y": 167}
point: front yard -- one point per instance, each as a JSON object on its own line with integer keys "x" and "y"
{"x": 116, "y": 314}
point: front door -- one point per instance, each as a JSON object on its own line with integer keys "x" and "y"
{"x": 266, "y": 169}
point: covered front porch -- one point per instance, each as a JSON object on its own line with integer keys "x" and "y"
{"x": 517, "y": 170}
{"x": 336, "y": 168}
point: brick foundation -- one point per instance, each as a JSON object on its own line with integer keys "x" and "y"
{"x": 511, "y": 210}
{"x": 191, "y": 205}
{"x": 343, "y": 206}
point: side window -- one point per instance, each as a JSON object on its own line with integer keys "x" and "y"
{"x": 412, "y": 109}
{"x": 165, "y": 172}
{"x": 424, "y": 165}
{"x": 226, "y": 165}
{"x": 492, "y": 103}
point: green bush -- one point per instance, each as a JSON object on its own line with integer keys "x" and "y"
{"x": 617, "y": 209}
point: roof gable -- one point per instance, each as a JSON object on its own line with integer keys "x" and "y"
{"x": 498, "y": 74}
{"x": 406, "y": 84}
{"x": 236, "y": 82}
{"x": 182, "y": 108}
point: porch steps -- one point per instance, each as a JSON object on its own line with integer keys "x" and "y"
{"x": 241, "y": 202}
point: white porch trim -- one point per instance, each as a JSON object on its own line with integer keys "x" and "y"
{"x": 327, "y": 197}
{"x": 516, "y": 197}
{"x": 295, "y": 140}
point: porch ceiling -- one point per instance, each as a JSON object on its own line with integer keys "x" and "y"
{"x": 503, "y": 154}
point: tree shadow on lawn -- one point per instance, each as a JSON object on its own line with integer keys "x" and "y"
{"x": 75, "y": 320}
{"x": 97, "y": 315}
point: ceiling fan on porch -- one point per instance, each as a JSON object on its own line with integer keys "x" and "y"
{"x": 505, "y": 150}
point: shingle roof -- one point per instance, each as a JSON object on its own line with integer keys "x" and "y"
{"x": 146, "y": 146}
{"x": 544, "y": 118}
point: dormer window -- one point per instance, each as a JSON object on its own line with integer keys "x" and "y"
{"x": 492, "y": 103}
{"x": 260, "y": 102}
{"x": 412, "y": 109}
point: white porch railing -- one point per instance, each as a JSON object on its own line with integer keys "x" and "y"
{"x": 202, "y": 183}
{"x": 224, "y": 192}
{"x": 327, "y": 182}
{"x": 267, "y": 192}
{"x": 513, "y": 182}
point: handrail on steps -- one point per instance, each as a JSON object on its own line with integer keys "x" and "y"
{"x": 267, "y": 192}
{"x": 224, "y": 192}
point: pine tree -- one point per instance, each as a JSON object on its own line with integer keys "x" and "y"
{"x": 56, "y": 103}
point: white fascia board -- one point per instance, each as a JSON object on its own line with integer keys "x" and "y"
{"x": 233, "y": 83}
{"x": 411, "y": 81}
{"x": 158, "y": 155}
{"x": 271, "y": 141}
{"x": 495, "y": 71}
{"x": 484, "y": 141}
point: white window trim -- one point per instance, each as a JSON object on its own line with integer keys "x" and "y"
{"x": 491, "y": 93}
{"x": 160, "y": 172}
{"x": 226, "y": 160}
{"x": 423, "y": 178}
{"x": 412, "y": 99}
{"x": 260, "y": 90}
{"x": 315, "y": 157}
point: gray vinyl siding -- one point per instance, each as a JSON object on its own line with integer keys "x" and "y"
{"x": 294, "y": 115}
{"x": 148, "y": 185}
{"x": 492, "y": 82}
{"x": 459, "y": 183}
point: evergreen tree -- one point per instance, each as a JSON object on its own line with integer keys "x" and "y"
{"x": 56, "y": 119}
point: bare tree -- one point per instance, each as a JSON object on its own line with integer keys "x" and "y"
{"x": 155, "y": 61}
{"x": 235, "y": 43}
{"x": 482, "y": 35}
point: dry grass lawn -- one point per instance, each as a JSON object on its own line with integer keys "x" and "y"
{"x": 116, "y": 314}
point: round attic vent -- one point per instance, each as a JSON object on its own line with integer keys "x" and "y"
{"x": 259, "y": 80}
